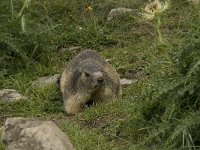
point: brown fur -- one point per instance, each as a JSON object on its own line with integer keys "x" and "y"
{"x": 88, "y": 78}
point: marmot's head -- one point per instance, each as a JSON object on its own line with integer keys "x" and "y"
{"x": 91, "y": 76}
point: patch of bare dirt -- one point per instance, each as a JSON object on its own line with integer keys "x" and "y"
{"x": 131, "y": 74}
{"x": 100, "y": 122}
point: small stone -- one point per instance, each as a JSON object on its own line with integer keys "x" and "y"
{"x": 72, "y": 49}
{"x": 108, "y": 60}
{"x": 75, "y": 48}
{"x": 44, "y": 81}
{"x": 125, "y": 81}
{"x": 10, "y": 95}
{"x": 24, "y": 134}
{"x": 118, "y": 11}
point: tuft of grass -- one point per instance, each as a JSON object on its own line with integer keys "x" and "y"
{"x": 85, "y": 138}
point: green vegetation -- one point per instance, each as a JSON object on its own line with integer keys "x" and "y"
{"x": 159, "y": 111}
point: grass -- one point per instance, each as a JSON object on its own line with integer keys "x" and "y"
{"x": 148, "y": 117}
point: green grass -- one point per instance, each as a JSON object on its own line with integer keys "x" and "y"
{"x": 151, "y": 115}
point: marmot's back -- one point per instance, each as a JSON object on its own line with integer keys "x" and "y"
{"x": 87, "y": 54}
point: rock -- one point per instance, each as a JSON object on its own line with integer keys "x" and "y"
{"x": 75, "y": 48}
{"x": 44, "y": 81}
{"x": 118, "y": 11}
{"x": 10, "y": 95}
{"x": 108, "y": 60}
{"x": 125, "y": 81}
{"x": 29, "y": 134}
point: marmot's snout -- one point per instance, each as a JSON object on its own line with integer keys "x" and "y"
{"x": 98, "y": 79}
{"x": 98, "y": 82}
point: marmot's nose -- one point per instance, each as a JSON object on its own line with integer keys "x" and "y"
{"x": 100, "y": 80}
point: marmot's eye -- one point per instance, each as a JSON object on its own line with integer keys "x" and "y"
{"x": 87, "y": 74}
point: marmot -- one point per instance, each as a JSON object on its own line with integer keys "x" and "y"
{"x": 87, "y": 79}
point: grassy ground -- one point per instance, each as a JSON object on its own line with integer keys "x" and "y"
{"x": 146, "y": 117}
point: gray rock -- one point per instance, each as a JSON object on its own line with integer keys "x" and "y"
{"x": 10, "y": 95}
{"x": 44, "y": 81}
{"x": 29, "y": 134}
{"x": 125, "y": 81}
{"x": 118, "y": 11}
